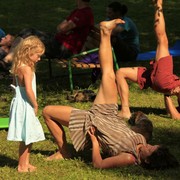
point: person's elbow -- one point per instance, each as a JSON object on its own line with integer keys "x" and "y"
{"x": 97, "y": 165}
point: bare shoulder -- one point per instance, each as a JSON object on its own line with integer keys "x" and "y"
{"x": 24, "y": 73}
{"x": 25, "y": 70}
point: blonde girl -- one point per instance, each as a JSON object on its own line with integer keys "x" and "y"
{"x": 24, "y": 126}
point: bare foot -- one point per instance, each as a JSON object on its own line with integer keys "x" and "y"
{"x": 57, "y": 156}
{"x": 28, "y": 168}
{"x": 32, "y": 168}
{"x": 157, "y": 2}
{"x": 108, "y": 26}
{"x": 154, "y": 2}
{"x": 21, "y": 170}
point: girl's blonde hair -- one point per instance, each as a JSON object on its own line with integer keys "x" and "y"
{"x": 24, "y": 49}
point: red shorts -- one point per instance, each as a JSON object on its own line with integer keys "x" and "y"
{"x": 159, "y": 77}
{"x": 144, "y": 77}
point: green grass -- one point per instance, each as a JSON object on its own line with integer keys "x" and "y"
{"x": 45, "y": 15}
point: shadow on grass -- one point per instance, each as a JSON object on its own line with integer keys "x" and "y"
{"x": 148, "y": 110}
{"x": 85, "y": 156}
{"x": 6, "y": 161}
{"x": 168, "y": 135}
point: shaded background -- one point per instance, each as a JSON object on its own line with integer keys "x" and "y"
{"x": 46, "y": 14}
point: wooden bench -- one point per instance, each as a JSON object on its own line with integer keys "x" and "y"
{"x": 91, "y": 45}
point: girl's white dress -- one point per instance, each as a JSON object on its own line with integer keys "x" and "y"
{"x": 24, "y": 125}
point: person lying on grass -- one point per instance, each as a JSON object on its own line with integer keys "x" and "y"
{"x": 102, "y": 125}
{"x": 159, "y": 77}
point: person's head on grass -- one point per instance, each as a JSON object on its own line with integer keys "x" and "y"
{"x": 159, "y": 159}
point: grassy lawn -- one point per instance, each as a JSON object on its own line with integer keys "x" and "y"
{"x": 45, "y": 15}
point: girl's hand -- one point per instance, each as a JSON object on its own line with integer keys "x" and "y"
{"x": 36, "y": 110}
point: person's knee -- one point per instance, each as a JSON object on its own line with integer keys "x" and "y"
{"x": 162, "y": 39}
{"x": 46, "y": 112}
{"x": 120, "y": 73}
{"x": 112, "y": 76}
{"x": 109, "y": 77}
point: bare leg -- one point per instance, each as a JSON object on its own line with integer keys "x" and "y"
{"x": 160, "y": 31}
{"x": 122, "y": 75}
{"x": 55, "y": 117}
{"x": 24, "y": 153}
{"x": 30, "y": 166}
{"x": 107, "y": 93}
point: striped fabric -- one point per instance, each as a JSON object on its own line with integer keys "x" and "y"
{"x": 113, "y": 134}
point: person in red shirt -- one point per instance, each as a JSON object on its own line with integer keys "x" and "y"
{"x": 159, "y": 76}
{"x": 72, "y": 32}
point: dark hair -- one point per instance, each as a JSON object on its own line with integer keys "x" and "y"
{"x": 160, "y": 159}
{"x": 43, "y": 36}
{"x": 86, "y": 0}
{"x": 118, "y": 7}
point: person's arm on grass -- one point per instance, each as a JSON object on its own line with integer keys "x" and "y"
{"x": 120, "y": 160}
{"x": 171, "y": 109}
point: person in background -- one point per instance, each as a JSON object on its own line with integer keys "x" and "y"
{"x": 5, "y": 45}
{"x": 24, "y": 125}
{"x": 125, "y": 37}
{"x": 69, "y": 39}
{"x": 2, "y": 33}
{"x": 72, "y": 32}
{"x": 7, "y": 59}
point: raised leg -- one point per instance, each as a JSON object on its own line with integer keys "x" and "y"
{"x": 107, "y": 93}
{"x": 160, "y": 31}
